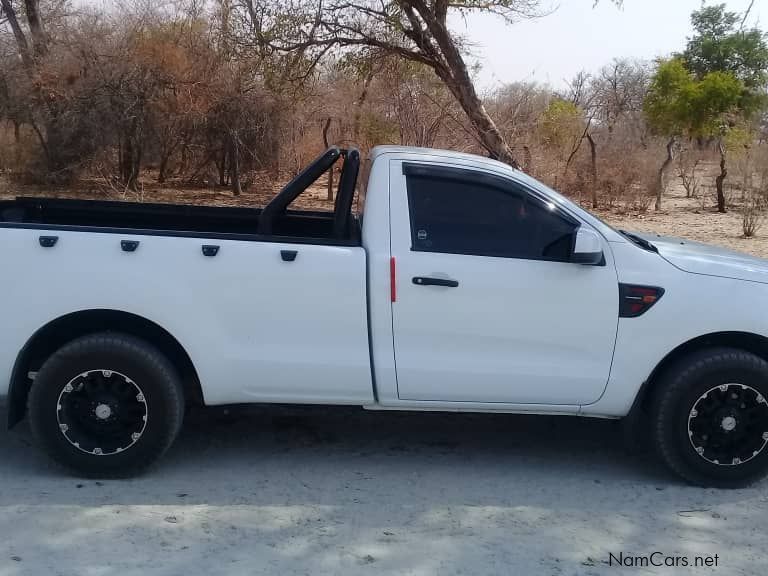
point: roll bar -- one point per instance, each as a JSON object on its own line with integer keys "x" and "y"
{"x": 304, "y": 179}
{"x": 295, "y": 187}
{"x": 346, "y": 193}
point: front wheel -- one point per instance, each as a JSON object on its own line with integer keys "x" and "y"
{"x": 106, "y": 405}
{"x": 711, "y": 418}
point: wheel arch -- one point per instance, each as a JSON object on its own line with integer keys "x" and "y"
{"x": 58, "y": 332}
{"x": 747, "y": 341}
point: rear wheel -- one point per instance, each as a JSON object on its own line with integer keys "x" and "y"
{"x": 106, "y": 405}
{"x": 711, "y": 418}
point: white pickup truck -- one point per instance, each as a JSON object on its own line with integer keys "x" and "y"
{"x": 465, "y": 286}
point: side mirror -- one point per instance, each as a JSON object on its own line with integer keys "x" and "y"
{"x": 588, "y": 248}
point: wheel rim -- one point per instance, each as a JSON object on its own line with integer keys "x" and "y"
{"x": 102, "y": 412}
{"x": 728, "y": 424}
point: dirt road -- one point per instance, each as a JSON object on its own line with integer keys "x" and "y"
{"x": 348, "y": 492}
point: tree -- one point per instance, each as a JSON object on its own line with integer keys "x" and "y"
{"x": 616, "y": 94}
{"x": 719, "y": 52}
{"x": 561, "y": 126}
{"x": 46, "y": 77}
{"x": 720, "y": 44}
{"x": 678, "y": 104}
{"x": 612, "y": 101}
{"x": 713, "y": 86}
{"x": 415, "y": 30}
{"x": 32, "y": 46}
{"x": 517, "y": 108}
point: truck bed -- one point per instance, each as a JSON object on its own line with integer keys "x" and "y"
{"x": 170, "y": 220}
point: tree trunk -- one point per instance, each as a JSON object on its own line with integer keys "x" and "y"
{"x": 660, "y": 185}
{"x": 126, "y": 152}
{"x": 168, "y": 149}
{"x": 719, "y": 181}
{"x": 120, "y": 157}
{"x": 130, "y": 161}
{"x": 132, "y": 165}
{"x": 161, "y": 172}
{"x": 18, "y": 34}
{"x": 136, "y": 170}
{"x": 234, "y": 164}
{"x": 17, "y": 144}
{"x": 485, "y": 128}
{"x": 183, "y": 163}
{"x": 221, "y": 165}
{"x": 35, "y": 22}
{"x": 456, "y": 77}
{"x": 593, "y": 168}
{"x": 747, "y": 179}
{"x": 326, "y": 127}
{"x": 527, "y": 160}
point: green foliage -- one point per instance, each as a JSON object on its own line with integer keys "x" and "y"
{"x": 715, "y": 84}
{"x": 739, "y": 138}
{"x": 561, "y": 123}
{"x": 720, "y": 45}
{"x": 715, "y": 104}
{"x": 667, "y": 103}
{"x": 677, "y": 104}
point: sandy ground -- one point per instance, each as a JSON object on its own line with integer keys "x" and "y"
{"x": 337, "y": 491}
{"x": 692, "y": 219}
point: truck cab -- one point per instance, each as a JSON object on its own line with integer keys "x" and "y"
{"x": 489, "y": 303}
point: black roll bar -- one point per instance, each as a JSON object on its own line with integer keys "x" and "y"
{"x": 344, "y": 195}
{"x": 295, "y": 187}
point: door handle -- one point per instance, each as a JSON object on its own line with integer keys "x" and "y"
{"x": 427, "y": 281}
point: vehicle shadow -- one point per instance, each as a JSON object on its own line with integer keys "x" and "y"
{"x": 305, "y": 447}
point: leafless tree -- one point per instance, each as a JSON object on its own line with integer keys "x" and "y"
{"x": 415, "y": 30}
{"x": 687, "y": 164}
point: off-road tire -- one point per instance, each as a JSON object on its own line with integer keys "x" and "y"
{"x": 677, "y": 393}
{"x": 162, "y": 397}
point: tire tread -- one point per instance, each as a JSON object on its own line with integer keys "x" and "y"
{"x": 143, "y": 352}
{"x": 673, "y": 385}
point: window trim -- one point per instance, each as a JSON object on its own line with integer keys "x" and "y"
{"x": 491, "y": 180}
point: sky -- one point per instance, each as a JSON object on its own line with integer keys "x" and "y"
{"x": 578, "y": 35}
{"x": 553, "y": 49}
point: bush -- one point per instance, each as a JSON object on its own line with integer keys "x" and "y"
{"x": 752, "y": 213}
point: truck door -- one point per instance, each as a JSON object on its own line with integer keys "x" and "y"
{"x": 489, "y": 308}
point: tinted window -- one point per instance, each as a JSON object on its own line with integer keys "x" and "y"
{"x": 464, "y": 212}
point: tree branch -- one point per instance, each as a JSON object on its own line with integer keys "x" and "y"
{"x": 746, "y": 15}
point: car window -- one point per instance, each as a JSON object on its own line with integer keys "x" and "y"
{"x": 461, "y": 211}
